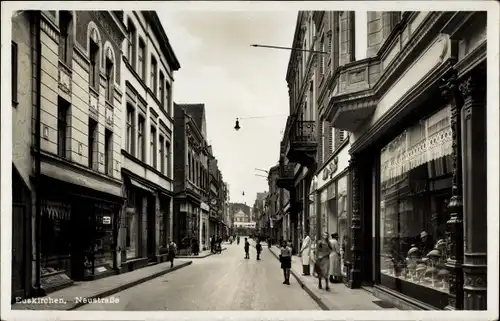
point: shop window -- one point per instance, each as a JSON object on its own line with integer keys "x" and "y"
{"x": 103, "y": 249}
{"x": 133, "y": 214}
{"x": 56, "y": 239}
{"x": 342, "y": 219}
{"x": 415, "y": 187}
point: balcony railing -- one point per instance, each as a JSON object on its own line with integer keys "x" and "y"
{"x": 303, "y": 132}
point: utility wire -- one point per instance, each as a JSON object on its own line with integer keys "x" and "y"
{"x": 268, "y": 116}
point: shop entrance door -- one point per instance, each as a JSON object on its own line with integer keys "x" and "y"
{"x": 151, "y": 230}
{"x": 18, "y": 250}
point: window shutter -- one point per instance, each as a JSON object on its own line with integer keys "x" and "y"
{"x": 321, "y": 142}
{"x": 341, "y": 135}
{"x": 330, "y": 140}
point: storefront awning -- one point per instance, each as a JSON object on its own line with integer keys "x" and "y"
{"x": 141, "y": 185}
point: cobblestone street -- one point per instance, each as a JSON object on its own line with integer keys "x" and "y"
{"x": 219, "y": 282}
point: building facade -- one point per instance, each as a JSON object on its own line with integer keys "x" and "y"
{"x": 75, "y": 97}
{"x": 390, "y": 163}
{"x": 192, "y": 177}
{"x": 79, "y": 134}
{"x": 273, "y": 200}
{"x": 416, "y": 112}
{"x": 148, "y": 70}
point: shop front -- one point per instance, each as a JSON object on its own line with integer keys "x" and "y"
{"x": 79, "y": 230}
{"x": 204, "y": 232}
{"x": 418, "y": 182}
{"x": 331, "y": 198}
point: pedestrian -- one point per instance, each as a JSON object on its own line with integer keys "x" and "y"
{"x": 305, "y": 252}
{"x": 238, "y": 240}
{"x": 172, "y": 250}
{"x": 323, "y": 260}
{"x": 219, "y": 245}
{"x": 247, "y": 249}
{"x": 212, "y": 244}
{"x": 335, "y": 268}
{"x": 258, "y": 247}
{"x": 286, "y": 261}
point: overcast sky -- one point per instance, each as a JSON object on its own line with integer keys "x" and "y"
{"x": 220, "y": 69}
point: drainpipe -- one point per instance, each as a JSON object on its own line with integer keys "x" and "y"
{"x": 39, "y": 291}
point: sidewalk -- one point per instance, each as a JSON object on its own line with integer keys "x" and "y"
{"x": 202, "y": 255}
{"x": 101, "y": 288}
{"x": 340, "y": 297}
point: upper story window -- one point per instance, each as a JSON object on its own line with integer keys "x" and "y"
{"x": 152, "y": 147}
{"x": 162, "y": 154}
{"x": 94, "y": 64}
{"x": 109, "y": 80}
{"x": 162, "y": 89}
{"x": 141, "y": 63}
{"x": 13, "y": 51}
{"x": 65, "y": 37}
{"x": 131, "y": 35}
{"x": 154, "y": 72}
{"x": 168, "y": 97}
{"x": 140, "y": 138}
{"x": 130, "y": 130}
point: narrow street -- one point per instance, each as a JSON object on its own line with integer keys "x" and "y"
{"x": 219, "y": 282}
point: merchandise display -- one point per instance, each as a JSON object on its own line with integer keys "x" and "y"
{"x": 415, "y": 188}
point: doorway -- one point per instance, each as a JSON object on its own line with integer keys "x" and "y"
{"x": 151, "y": 227}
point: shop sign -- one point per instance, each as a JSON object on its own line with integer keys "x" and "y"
{"x": 106, "y": 220}
{"x": 330, "y": 170}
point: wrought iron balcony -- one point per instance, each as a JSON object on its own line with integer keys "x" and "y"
{"x": 286, "y": 177}
{"x": 303, "y": 143}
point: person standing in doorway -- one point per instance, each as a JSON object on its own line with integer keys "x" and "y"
{"x": 305, "y": 252}
{"x": 286, "y": 261}
{"x": 323, "y": 260}
{"x": 212, "y": 244}
{"x": 258, "y": 247}
{"x": 247, "y": 249}
{"x": 172, "y": 250}
{"x": 335, "y": 269}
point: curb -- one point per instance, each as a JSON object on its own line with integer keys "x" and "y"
{"x": 198, "y": 257}
{"x": 313, "y": 295}
{"x": 128, "y": 285}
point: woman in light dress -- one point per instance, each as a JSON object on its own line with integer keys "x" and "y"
{"x": 335, "y": 268}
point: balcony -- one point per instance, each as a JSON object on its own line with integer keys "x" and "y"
{"x": 303, "y": 144}
{"x": 286, "y": 177}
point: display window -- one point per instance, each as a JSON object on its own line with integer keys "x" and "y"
{"x": 56, "y": 238}
{"x": 133, "y": 226}
{"x": 342, "y": 220}
{"x": 415, "y": 187}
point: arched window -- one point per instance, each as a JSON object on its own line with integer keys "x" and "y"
{"x": 109, "y": 67}
{"x": 93, "y": 49}
{"x": 131, "y": 35}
